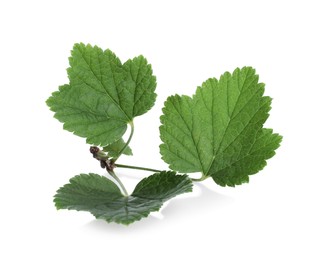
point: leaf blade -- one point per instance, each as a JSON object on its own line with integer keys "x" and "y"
{"x": 102, "y": 198}
{"x": 98, "y": 102}
{"x": 178, "y": 150}
{"x": 263, "y": 148}
{"x": 140, "y": 77}
{"x": 217, "y": 126}
{"x": 162, "y": 186}
{"x": 86, "y": 191}
{"x": 78, "y": 116}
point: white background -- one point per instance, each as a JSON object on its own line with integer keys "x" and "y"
{"x": 278, "y": 215}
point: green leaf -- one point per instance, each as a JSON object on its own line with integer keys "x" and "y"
{"x": 218, "y": 130}
{"x": 101, "y": 197}
{"x": 114, "y": 148}
{"x": 163, "y": 186}
{"x": 103, "y": 94}
{"x": 254, "y": 161}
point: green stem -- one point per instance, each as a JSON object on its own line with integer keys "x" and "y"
{"x": 203, "y": 177}
{"x": 119, "y": 182}
{"x": 137, "y": 168}
{"x": 127, "y": 143}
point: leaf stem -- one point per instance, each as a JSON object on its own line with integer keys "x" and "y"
{"x": 137, "y": 168}
{"x": 203, "y": 177}
{"x": 127, "y": 143}
{"x": 119, "y": 182}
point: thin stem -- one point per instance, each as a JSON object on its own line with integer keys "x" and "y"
{"x": 137, "y": 168}
{"x": 127, "y": 143}
{"x": 203, "y": 177}
{"x": 119, "y": 182}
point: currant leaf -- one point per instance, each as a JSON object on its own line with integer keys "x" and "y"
{"x": 103, "y": 94}
{"x": 219, "y": 128}
{"x": 102, "y": 197}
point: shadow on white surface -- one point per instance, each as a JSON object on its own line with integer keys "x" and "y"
{"x": 199, "y": 203}
{"x": 204, "y": 199}
{"x": 103, "y": 226}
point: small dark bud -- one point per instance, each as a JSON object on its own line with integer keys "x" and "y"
{"x": 94, "y": 150}
{"x": 102, "y": 164}
{"x": 110, "y": 166}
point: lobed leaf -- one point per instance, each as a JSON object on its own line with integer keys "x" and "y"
{"x": 103, "y": 94}
{"x": 101, "y": 197}
{"x": 217, "y": 130}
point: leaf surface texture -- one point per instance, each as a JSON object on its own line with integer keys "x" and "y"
{"x": 102, "y": 197}
{"x": 103, "y": 94}
{"x": 219, "y": 131}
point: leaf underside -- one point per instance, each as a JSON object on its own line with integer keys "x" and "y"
{"x": 219, "y": 131}
{"x": 102, "y": 197}
{"x": 103, "y": 94}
